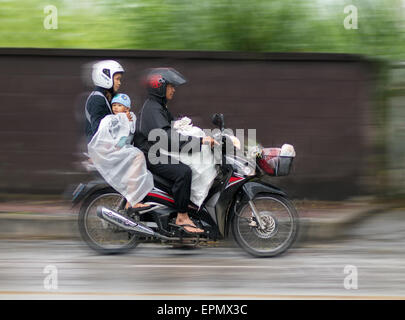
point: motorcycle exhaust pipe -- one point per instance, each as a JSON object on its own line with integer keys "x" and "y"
{"x": 123, "y": 222}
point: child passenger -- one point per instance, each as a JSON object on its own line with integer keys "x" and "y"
{"x": 121, "y": 164}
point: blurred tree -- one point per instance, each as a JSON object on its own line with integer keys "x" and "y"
{"x": 234, "y": 25}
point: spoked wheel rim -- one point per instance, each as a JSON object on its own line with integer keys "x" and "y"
{"x": 279, "y": 221}
{"x": 101, "y": 232}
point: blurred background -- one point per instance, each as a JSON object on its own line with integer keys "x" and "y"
{"x": 308, "y": 73}
{"x": 224, "y": 25}
{"x": 327, "y": 76}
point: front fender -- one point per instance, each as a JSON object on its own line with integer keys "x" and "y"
{"x": 252, "y": 188}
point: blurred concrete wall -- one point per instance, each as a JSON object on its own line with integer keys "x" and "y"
{"x": 320, "y": 103}
{"x": 395, "y": 128}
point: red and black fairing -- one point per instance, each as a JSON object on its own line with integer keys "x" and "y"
{"x": 227, "y": 199}
{"x": 214, "y": 210}
{"x": 233, "y": 180}
{"x": 162, "y": 197}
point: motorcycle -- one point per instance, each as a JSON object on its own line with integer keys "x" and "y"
{"x": 261, "y": 218}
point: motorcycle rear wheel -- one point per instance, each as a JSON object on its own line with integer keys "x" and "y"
{"x": 281, "y": 221}
{"x": 99, "y": 234}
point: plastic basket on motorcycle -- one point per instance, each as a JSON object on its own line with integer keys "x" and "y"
{"x": 274, "y": 164}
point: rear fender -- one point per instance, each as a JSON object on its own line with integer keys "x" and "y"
{"x": 83, "y": 191}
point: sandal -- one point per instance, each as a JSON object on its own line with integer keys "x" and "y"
{"x": 180, "y": 227}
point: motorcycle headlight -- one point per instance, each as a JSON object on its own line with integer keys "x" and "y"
{"x": 248, "y": 171}
{"x": 245, "y": 168}
{"x": 241, "y": 165}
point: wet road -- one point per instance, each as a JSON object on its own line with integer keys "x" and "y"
{"x": 368, "y": 263}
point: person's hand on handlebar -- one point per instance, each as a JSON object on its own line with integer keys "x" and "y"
{"x": 209, "y": 140}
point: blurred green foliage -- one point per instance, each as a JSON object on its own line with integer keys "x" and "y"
{"x": 230, "y": 25}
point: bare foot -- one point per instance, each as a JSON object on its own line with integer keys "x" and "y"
{"x": 140, "y": 205}
{"x": 183, "y": 219}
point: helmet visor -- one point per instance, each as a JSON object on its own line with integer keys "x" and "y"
{"x": 170, "y": 75}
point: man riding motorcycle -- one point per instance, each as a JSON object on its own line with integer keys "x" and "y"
{"x": 262, "y": 219}
{"x": 161, "y": 84}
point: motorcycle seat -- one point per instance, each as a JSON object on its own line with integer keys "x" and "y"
{"x": 162, "y": 183}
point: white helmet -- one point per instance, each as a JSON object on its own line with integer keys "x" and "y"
{"x": 104, "y": 71}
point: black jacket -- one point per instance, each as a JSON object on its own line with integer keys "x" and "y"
{"x": 97, "y": 107}
{"x": 155, "y": 115}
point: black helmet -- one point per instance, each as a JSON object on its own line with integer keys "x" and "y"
{"x": 158, "y": 78}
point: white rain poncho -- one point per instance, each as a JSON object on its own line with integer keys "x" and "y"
{"x": 121, "y": 164}
{"x": 202, "y": 163}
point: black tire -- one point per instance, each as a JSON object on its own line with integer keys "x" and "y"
{"x": 93, "y": 229}
{"x": 282, "y": 224}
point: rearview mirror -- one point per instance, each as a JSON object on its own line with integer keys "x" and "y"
{"x": 218, "y": 120}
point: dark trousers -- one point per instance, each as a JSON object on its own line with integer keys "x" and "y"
{"x": 180, "y": 175}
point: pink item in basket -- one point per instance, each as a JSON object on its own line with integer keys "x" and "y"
{"x": 270, "y": 153}
{"x": 268, "y": 162}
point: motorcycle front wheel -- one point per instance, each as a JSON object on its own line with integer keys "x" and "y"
{"x": 99, "y": 234}
{"x": 280, "y": 226}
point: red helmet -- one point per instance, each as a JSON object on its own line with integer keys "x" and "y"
{"x": 158, "y": 78}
